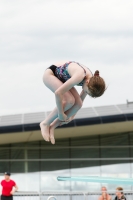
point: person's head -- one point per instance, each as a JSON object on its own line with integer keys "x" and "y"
{"x": 103, "y": 189}
{"x": 119, "y": 191}
{"x": 7, "y": 176}
{"x": 95, "y": 87}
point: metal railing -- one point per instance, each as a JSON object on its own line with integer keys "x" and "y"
{"x": 65, "y": 195}
{"x": 27, "y": 196}
{"x": 49, "y": 196}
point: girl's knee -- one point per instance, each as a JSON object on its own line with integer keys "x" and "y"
{"x": 71, "y": 100}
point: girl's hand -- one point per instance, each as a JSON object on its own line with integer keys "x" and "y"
{"x": 62, "y": 117}
{"x": 66, "y": 122}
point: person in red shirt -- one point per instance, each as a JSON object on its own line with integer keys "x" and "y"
{"x": 8, "y": 187}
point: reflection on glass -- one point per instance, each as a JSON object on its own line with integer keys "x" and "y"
{"x": 84, "y": 156}
{"x": 27, "y": 181}
{"x": 49, "y": 181}
{"x": 116, "y": 171}
{"x": 86, "y": 171}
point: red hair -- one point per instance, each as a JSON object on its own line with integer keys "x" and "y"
{"x": 96, "y": 85}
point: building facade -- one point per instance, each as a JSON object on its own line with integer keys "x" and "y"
{"x": 36, "y": 164}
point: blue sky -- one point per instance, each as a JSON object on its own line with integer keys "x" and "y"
{"x": 36, "y": 33}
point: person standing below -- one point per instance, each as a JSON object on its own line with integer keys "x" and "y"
{"x": 119, "y": 194}
{"x": 9, "y": 187}
{"x": 105, "y": 195}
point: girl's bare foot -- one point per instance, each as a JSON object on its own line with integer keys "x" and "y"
{"x": 51, "y": 135}
{"x": 45, "y": 131}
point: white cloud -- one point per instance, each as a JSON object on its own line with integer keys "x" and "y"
{"x": 36, "y": 33}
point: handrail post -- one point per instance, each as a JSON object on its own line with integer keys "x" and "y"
{"x": 51, "y": 197}
{"x": 40, "y": 195}
{"x": 85, "y": 196}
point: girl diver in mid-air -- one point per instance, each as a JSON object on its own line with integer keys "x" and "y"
{"x": 61, "y": 79}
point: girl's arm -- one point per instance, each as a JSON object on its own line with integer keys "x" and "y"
{"x": 83, "y": 95}
{"x": 73, "y": 111}
{"x": 74, "y": 80}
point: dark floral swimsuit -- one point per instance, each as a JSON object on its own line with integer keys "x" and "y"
{"x": 62, "y": 74}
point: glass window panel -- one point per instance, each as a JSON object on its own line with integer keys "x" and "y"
{"x": 132, "y": 169}
{"x": 114, "y": 139}
{"x": 29, "y": 171}
{"x": 54, "y": 165}
{"x": 116, "y": 170}
{"x": 121, "y": 170}
{"x": 131, "y": 144}
{"x": 131, "y": 138}
{"x": 131, "y": 152}
{"x": 18, "y": 145}
{"x": 33, "y": 144}
{"x": 85, "y": 186}
{"x": 85, "y": 168}
{"x": 114, "y": 152}
{"x": 4, "y": 153}
{"x": 33, "y": 166}
{"x": 33, "y": 153}
{"x": 25, "y": 144}
{"x": 17, "y": 153}
{"x": 59, "y": 150}
{"x": 27, "y": 181}
{"x": 85, "y": 141}
{"x": 4, "y": 166}
{"x": 58, "y": 153}
{"x": 17, "y": 166}
{"x": 84, "y": 152}
{"x": 49, "y": 181}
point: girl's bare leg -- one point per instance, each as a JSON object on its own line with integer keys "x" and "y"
{"x": 53, "y": 83}
{"x": 56, "y": 123}
{"x": 53, "y": 125}
{"x": 71, "y": 112}
{"x": 45, "y": 125}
